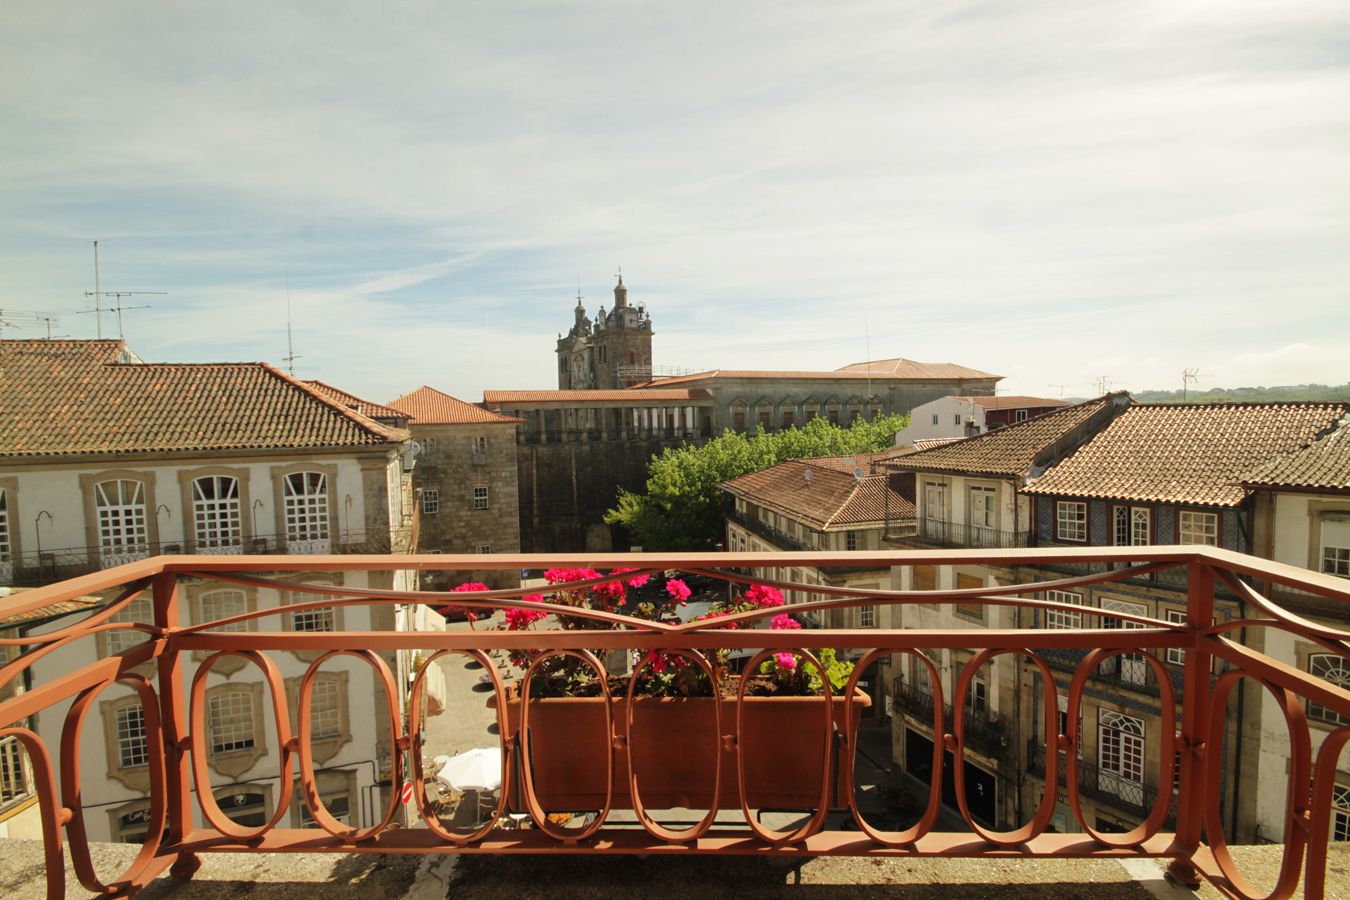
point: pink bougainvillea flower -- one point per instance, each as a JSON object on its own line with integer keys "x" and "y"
{"x": 783, "y": 621}
{"x": 785, "y": 661}
{"x": 718, "y": 615}
{"x": 520, "y": 619}
{"x": 678, "y": 590}
{"x": 637, "y": 582}
{"x": 763, "y": 596}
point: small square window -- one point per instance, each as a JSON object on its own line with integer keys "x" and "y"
{"x": 431, "y": 502}
{"x": 483, "y": 548}
{"x": 1020, "y": 415}
{"x": 480, "y": 498}
{"x": 1197, "y": 528}
{"x": 480, "y": 444}
{"x": 1176, "y": 656}
{"x": 1058, "y": 618}
{"x": 1070, "y": 521}
{"x": 428, "y": 445}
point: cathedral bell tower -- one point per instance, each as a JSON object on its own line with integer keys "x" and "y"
{"x": 613, "y": 352}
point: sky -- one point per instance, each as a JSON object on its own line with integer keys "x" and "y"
{"x": 1069, "y": 194}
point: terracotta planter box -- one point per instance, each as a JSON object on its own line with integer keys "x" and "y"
{"x": 674, "y": 747}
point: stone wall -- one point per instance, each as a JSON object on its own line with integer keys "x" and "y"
{"x": 565, "y": 489}
{"x": 452, "y": 466}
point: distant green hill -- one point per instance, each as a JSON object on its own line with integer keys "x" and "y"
{"x": 1286, "y": 393}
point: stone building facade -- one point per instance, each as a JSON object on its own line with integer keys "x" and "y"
{"x": 614, "y": 351}
{"x": 465, "y": 481}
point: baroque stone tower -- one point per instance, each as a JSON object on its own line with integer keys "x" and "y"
{"x": 614, "y": 351}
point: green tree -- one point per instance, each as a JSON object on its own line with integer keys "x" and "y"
{"x": 683, "y": 507}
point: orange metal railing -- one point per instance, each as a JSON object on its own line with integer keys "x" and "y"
{"x": 182, "y": 655}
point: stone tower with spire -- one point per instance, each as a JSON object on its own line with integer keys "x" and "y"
{"x": 614, "y": 351}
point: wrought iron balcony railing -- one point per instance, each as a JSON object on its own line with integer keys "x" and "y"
{"x": 1130, "y": 795}
{"x": 769, "y": 533}
{"x": 180, "y": 731}
{"x": 937, "y": 533}
{"x": 984, "y": 732}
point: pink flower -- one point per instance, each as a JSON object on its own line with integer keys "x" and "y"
{"x": 783, "y": 621}
{"x": 520, "y": 619}
{"x": 678, "y": 590}
{"x": 637, "y": 582}
{"x": 763, "y": 596}
{"x": 718, "y": 615}
{"x": 472, "y": 586}
{"x": 785, "y": 661}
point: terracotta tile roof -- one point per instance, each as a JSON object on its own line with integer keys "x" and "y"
{"x": 1015, "y": 450}
{"x": 908, "y": 368}
{"x": 1323, "y": 464}
{"x": 626, "y": 395}
{"x": 930, "y": 443}
{"x": 428, "y": 406}
{"x": 824, "y": 493}
{"x": 882, "y": 370}
{"x": 42, "y": 613}
{"x": 1186, "y": 453}
{"x": 351, "y": 401}
{"x": 1012, "y": 401}
{"x": 76, "y": 397}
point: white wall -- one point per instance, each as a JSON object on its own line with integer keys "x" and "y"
{"x": 947, "y": 409}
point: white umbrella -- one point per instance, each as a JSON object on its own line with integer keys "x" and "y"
{"x": 479, "y": 769}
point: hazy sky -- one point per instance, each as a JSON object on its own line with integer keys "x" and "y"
{"x": 1052, "y": 191}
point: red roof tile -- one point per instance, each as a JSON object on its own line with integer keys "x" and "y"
{"x": 825, "y": 493}
{"x": 1012, "y": 401}
{"x": 1324, "y": 464}
{"x": 81, "y": 397}
{"x": 428, "y": 406}
{"x": 882, "y": 370}
{"x": 1186, "y": 453}
{"x": 351, "y": 401}
{"x": 908, "y": 368}
{"x": 1015, "y": 450}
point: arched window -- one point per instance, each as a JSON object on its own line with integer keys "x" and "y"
{"x": 217, "y": 605}
{"x": 306, "y": 502}
{"x": 216, "y": 515}
{"x": 121, "y": 518}
{"x": 1333, "y": 668}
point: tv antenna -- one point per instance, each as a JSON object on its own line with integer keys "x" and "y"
{"x": 1103, "y": 383}
{"x": 290, "y": 356}
{"x": 119, "y": 308}
{"x": 19, "y": 318}
{"x": 1188, "y": 378}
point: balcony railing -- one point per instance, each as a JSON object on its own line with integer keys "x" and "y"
{"x": 47, "y": 566}
{"x": 935, "y": 532}
{"x": 182, "y": 654}
{"x": 985, "y": 733}
{"x": 778, "y": 538}
{"x": 1129, "y": 795}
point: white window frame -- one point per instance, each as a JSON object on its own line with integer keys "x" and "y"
{"x": 133, "y": 748}
{"x": 867, "y": 617}
{"x": 1131, "y": 668}
{"x": 1336, "y": 670}
{"x": 1176, "y": 656}
{"x": 1073, "y": 513}
{"x": 1196, "y": 526}
{"x": 14, "y": 782}
{"x": 480, "y": 443}
{"x": 1334, "y": 548}
{"x": 481, "y": 497}
{"x": 5, "y": 546}
{"x": 1120, "y": 755}
{"x": 123, "y": 526}
{"x": 230, "y": 723}
{"x": 982, "y": 515}
{"x": 483, "y": 548}
{"x": 1060, "y": 619}
{"x": 431, "y": 501}
{"x": 1340, "y": 813}
{"x": 217, "y": 519}
{"x": 1019, "y": 415}
{"x": 305, "y": 498}
{"x": 1131, "y": 526}
{"x": 223, "y": 604}
{"x": 141, "y": 611}
{"x": 850, "y": 540}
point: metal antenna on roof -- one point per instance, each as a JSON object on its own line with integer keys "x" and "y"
{"x": 121, "y": 334}
{"x": 290, "y": 357}
{"x": 1188, "y": 377}
{"x": 98, "y": 295}
{"x": 18, "y": 318}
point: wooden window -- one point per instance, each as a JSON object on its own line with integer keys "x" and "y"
{"x": 1057, "y": 618}
{"x": 1133, "y": 526}
{"x": 1194, "y": 527}
{"x": 141, "y": 611}
{"x": 13, "y": 771}
{"x": 216, "y": 605}
{"x": 131, "y": 740}
{"x": 122, "y": 527}
{"x": 1336, "y": 670}
{"x": 925, "y": 578}
{"x": 431, "y": 502}
{"x": 1335, "y": 547}
{"x": 1120, "y": 756}
{"x": 1176, "y": 656}
{"x": 789, "y": 418}
{"x": 216, "y": 516}
{"x": 1019, "y": 415}
{"x": 764, "y": 419}
{"x": 738, "y": 419}
{"x": 306, "y": 507}
{"x": 480, "y": 497}
{"x": 969, "y": 610}
{"x": 1071, "y": 518}
{"x": 983, "y": 516}
{"x": 230, "y": 722}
